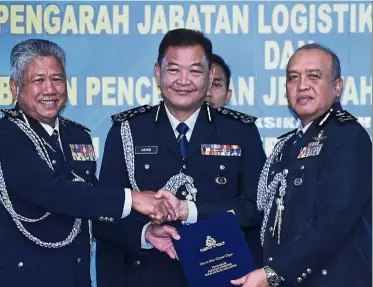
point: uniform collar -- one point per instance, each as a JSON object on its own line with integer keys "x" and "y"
{"x": 49, "y": 129}
{"x": 305, "y": 128}
{"x": 336, "y": 106}
{"x": 46, "y": 127}
{"x": 190, "y": 122}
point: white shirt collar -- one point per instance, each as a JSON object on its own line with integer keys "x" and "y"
{"x": 304, "y": 129}
{"x": 190, "y": 122}
{"x": 49, "y": 129}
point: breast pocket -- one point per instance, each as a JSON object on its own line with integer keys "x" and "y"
{"x": 151, "y": 171}
{"x": 305, "y": 171}
{"x": 84, "y": 170}
{"x": 218, "y": 176}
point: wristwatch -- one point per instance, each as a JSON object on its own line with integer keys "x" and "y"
{"x": 273, "y": 279}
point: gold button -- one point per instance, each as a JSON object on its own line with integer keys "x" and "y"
{"x": 324, "y": 272}
{"x": 54, "y": 162}
{"x": 20, "y": 264}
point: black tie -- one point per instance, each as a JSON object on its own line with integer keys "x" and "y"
{"x": 182, "y": 128}
{"x": 297, "y": 137}
{"x": 56, "y": 142}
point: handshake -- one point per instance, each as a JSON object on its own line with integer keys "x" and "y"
{"x": 160, "y": 207}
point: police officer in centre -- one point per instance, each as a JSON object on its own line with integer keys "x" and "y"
{"x": 316, "y": 187}
{"x": 206, "y": 159}
{"x": 47, "y": 173}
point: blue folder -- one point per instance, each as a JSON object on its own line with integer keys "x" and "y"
{"x": 213, "y": 251}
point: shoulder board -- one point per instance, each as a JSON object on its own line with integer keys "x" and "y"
{"x": 237, "y": 115}
{"x": 123, "y": 116}
{"x": 344, "y": 117}
{"x": 11, "y": 113}
{"x": 66, "y": 120}
{"x": 288, "y": 133}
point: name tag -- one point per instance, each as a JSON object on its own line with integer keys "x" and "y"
{"x": 146, "y": 150}
{"x": 83, "y": 152}
{"x": 220, "y": 149}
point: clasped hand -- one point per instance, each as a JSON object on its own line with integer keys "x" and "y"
{"x": 160, "y": 206}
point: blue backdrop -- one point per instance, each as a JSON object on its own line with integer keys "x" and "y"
{"x": 111, "y": 47}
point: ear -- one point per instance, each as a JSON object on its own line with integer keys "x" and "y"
{"x": 228, "y": 97}
{"x": 14, "y": 88}
{"x": 338, "y": 87}
{"x": 211, "y": 76}
{"x": 157, "y": 74}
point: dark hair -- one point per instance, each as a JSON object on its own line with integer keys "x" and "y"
{"x": 184, "y": 38}
{"x": 216, "y": 59}
{"x": 336, "y": 64}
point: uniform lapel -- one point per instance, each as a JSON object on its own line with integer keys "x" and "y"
{"x": 64, "y": 134}
{"x": 163, "y": 130}
{"x": 46, "y": 139}
{"x": 203, "y": 129}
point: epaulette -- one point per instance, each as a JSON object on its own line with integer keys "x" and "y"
{"x": 123, "y": 116}
{"x": 11, "y": 113}
{"x": 237, "y": 115}
{"x": 343, "y": 117}
{"x": 66, "y": 120}
{"x": 288, "y": 133}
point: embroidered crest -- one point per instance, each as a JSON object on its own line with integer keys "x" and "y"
{"x": 237, "y": 115}
{"x": 220, "y": 150}
{"x": 66, "y": 120}
{"x": 320, "y": 136}
{"x": 123, "y": 116}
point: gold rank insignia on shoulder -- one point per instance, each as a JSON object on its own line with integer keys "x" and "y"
{"x": 83, "y": 152}
{"x": 220, "y": 150}
{"x": 313, "y": 148}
